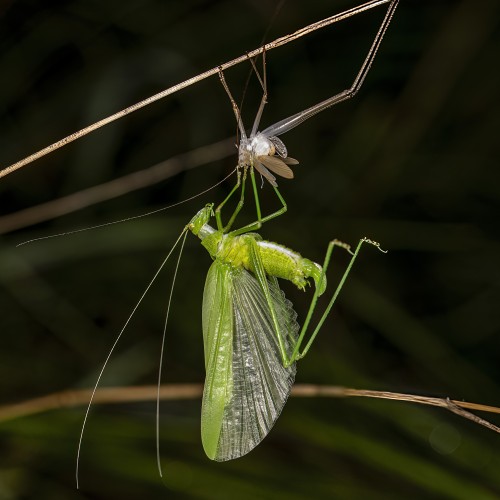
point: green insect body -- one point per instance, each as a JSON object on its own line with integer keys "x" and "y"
{"x": 277, "y": 260}
{"x": 250, "y": 332}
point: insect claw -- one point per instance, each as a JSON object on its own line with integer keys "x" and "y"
{"x": 374, "y": 243}
{"x": 343, "y": 245}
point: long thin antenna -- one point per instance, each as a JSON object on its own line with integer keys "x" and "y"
{"x": 127, "y": 219}
{"x": 85, "y": 418}
{"x": 162, "y": 350}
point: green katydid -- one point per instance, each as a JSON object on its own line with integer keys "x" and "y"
{"x": 251, "y": 337}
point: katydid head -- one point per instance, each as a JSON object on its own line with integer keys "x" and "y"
{"x": 201, "y": 218}
{"x": 199, "y": 226}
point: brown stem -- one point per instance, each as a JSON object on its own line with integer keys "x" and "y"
{"x": 110, "y": 395}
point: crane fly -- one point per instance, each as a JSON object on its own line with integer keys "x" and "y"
{"x": 265, "y": 151}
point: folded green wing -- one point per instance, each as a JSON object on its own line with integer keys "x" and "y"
{"x": 246, "y": 383}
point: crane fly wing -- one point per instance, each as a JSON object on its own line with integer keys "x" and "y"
{"x": 246, "y": 385}
{"x": 276, "y": 165}
{"x": 290, "y": 161}
{"x": 263, "y": 171}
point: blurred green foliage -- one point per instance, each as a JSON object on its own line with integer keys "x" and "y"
{"x": 411, "y": 162}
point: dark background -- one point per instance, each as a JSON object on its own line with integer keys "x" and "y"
{"x": 411, "y": 162}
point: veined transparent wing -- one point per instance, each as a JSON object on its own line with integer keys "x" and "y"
{"x": 246, "y": 383}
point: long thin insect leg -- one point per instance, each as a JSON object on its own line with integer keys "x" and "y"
{"x": 279, "y": 212}
{"x": 314, "y": 300}
{"x": 255, "y": 226}
{"x": 218, "y": 217}
{"x": 263, "y": 102}
{"x": 160, "y": 369}
{"x": 260, "y": 274}
{"x": 292, "y": 121}
{"x": 239, "y": 205}
{"x": 296, "y": 354}
{"x": 236, "y": 110}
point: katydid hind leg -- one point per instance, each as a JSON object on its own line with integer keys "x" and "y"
{"x": 260, "y": 274}
{"x": 297, "y": 354}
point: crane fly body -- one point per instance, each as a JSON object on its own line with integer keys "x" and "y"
{"x": 266, "y": 155}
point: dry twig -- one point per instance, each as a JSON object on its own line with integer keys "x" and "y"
{"x": 113, "y": 395}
